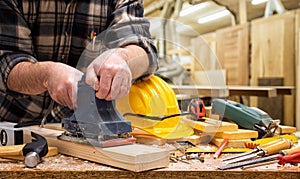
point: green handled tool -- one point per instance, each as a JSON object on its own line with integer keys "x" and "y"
{"x": 246, "y": 117}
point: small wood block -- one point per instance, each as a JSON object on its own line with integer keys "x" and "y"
{"x": 149, "y": 140}
{"x": 240, "y": 134}
{"x": 194, "y": 139}
{"x": 211, "y": 125}
{"x": 286, "y": 129}
{"x": 137, "y": 131}
{"x": 239, "y": 143}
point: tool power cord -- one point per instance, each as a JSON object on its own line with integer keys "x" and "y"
{"x": 161, "y": 118}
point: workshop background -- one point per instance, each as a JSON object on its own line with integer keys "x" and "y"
{"x": 252, "y": 42}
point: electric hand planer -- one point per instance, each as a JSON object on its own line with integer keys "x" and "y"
{"x": 96, "y": 121}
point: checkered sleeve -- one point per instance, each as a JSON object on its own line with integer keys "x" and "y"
{"x": 129, "y": 26}
{"x": 15, "y": 41}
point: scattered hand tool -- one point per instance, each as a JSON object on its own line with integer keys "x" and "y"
{"x": 31, "y": 153}
{"x": 259, "y": 142}
{"x": 35, "y": 150}
{"x": 197, "y": 107}
{"x": 246, "y": 117}
{"x": 269, "y": 150}
{"x": 286, "y": 153}
{"x": 258, "y": 148}
{"x": 220, "y": 149}
{"x": 96, "y": 121}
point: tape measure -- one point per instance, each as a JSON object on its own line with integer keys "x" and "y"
{"x": 197, "y": 107}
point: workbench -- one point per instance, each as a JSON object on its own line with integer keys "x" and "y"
{"x": 61, "y": 166}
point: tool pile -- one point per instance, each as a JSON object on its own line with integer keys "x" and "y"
{"x": 251, "y": 131}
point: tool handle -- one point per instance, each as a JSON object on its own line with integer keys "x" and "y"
{"x": 292, "y": 158}
{"x": 276, "y": 148}
{"x": 290, "y": 151}
{"x": 270, "y": 143}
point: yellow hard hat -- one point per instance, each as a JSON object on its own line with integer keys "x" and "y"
{"x": 151, "y": 100}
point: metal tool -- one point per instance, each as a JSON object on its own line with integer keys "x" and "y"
{"x": 9, "y": 135}
{"x": 96, "y": 121}
{"x": 269, "y": 150}
{"x": 258, "y": 148}
{"x": 246, "y": 117}
{"x": 286, "y": 152}
{"x": 197, "y": 107}
{"x": 35, "y": 150}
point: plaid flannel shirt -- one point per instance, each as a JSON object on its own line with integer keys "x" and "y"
{"x": 60, "y": 30}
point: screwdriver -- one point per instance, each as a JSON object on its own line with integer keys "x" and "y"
{"x": 258, "y": 148}
{"x": 269, "y": 150}
{"x": 289, "y": 155}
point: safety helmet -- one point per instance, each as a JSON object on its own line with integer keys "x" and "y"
{"x": 155, "y": 98}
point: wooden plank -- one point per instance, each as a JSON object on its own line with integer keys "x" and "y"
{"x": 273, "y": 55}
{"x": 233, "y": 53}
{"x": 252, "y": 91}
{"x": 286, "y": 129}
{"x": 131, "y": 157}
{"x": 239, "y": 143}
{"x": 240, "y": 134}
{"x": 297, "y": 68}
{"x": 211, "y": 126}
{"x": 243, "y": 11}
{"x": 201, "y": 91}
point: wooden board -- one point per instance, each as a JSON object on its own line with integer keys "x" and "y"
{"x": 210, "y": 127}
{"x": 131, "y": 157}
{"x": 286, "y": 129}
{"x": 297, "y": 67}
{"x": 232, "y": 52}
{"x": 272, "y": 55}
{"x": 201, "y": 91}
{"x": 239, "y": 143}
{"x": 240, "y": 134}
{"x": 252, "y": 91}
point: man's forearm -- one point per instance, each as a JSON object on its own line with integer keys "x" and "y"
{"x": 28, "y": 77}
{"x": 137, "y": 60}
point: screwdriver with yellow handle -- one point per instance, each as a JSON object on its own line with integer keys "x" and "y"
{"x": 255, "y": 150}
{"x": 289, "y": 154}
{"x": 264, "y": 151}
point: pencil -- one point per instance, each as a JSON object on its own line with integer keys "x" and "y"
{"x": 220, "y": 149}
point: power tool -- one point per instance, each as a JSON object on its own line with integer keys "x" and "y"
{"x": 246, "y": 117}
{"x": 197, "y": 107}
{"x": 96, "y": 121}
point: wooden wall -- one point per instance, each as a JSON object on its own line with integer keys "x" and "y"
{"x": 273, "y": 56}
{"x": 233, "y": 53}
{"x": 297, "y": 66}
{"x": 264, "y": 48}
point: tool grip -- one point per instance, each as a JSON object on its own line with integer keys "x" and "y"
{"x": 276, "y": 148}
{"x": 290, "y": 151}
{"x": 292, "y": 158}
{"x": 270, "y": 143}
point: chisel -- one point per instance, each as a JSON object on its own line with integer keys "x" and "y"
{"x": 269, "y": 150}
{"x": 286, "y": 153}
{"x": 258, "y": 148}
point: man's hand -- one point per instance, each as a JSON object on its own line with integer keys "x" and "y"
{"x": 110, "y": 75}
{"x": 62, "y": 82}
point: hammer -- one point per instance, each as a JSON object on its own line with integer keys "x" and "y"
{"x": 35, "y": 150}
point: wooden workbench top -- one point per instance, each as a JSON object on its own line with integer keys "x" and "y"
{"x": 62, "y": 166}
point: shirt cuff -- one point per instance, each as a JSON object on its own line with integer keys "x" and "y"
{"x": 7, "y": 63}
